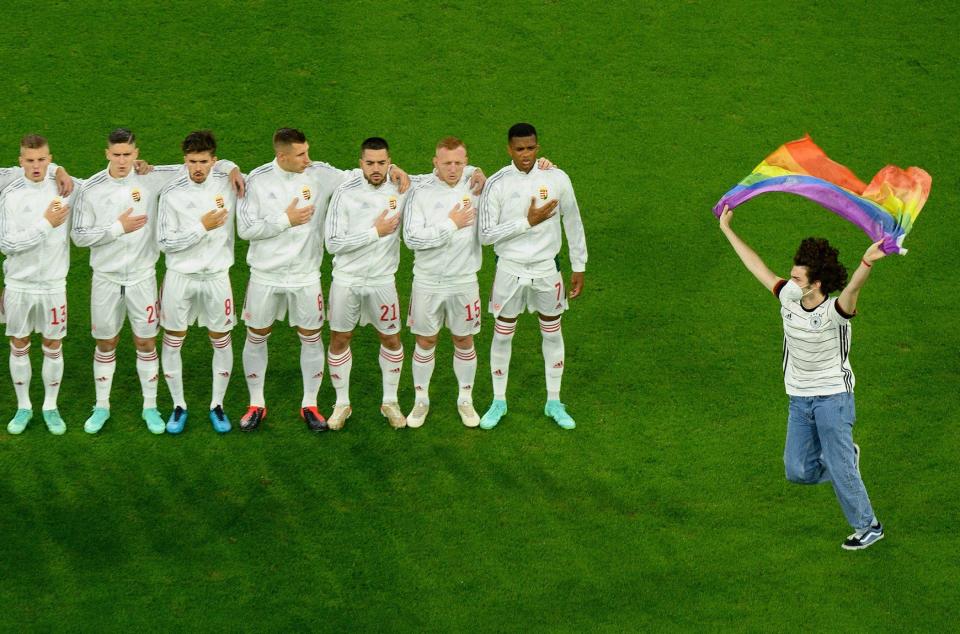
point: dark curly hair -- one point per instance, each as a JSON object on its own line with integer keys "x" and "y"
{"x": 822, "y": 264}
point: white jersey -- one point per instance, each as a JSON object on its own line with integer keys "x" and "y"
{"x": 124, "y": 258}
{"x": 361, "y": 256}
{"x": 190, "y": 249}
{"x": 279, "y": 254}
{"x": 816, "y": 345}
{"x": 38, "y": 254}
{"x": 523, "y": 250}
{"x": 444, "y": 255}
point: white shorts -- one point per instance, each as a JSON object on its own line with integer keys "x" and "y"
{"x": 3, "y": 315}
{"x": 207, "y": 302}
{"x": 110, "y": 303}
{"x": 457, "y": 308}
{"x": 265, "y": 304}
{"x": 377, "y": 305}
{"x": 27, "y": 313}
{"x": 511, "y": 295}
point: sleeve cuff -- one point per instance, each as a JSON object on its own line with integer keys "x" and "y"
{"x": 452, "y": 226}
{"x": 842, "y": 312}
{"x": 116, "y": 230}
{"x": 778, "y": 287}
{"x": 373, "y": 235}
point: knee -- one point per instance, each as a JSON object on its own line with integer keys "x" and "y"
{"x": 143, "y": 345}
{"x": 262, "y": 332}
{"x": 339, "y": 341}
{"x": 427, "y": 343}
{"x": 464, "y": 343}
{"x": 798, "y": 473}
{"x": 108, "y": 345}
{"x": 390, "y": 342}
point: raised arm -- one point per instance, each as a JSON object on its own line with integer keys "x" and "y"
{"x": 747, "y": 255}
{"x": 848, "y": 297}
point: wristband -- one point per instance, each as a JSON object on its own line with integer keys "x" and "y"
{"x": 866, "y": 264}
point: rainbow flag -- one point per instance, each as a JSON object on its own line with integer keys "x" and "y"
{"x": 885, "y": 209}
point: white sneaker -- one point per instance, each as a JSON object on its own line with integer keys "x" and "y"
{"x": 468, "y": 415}
{"x": 392, "y": 413}
{"x": 339, "y": 416}
{"x": 418, "y": 415}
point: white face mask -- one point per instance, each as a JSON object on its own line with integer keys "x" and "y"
{"x": 795, "y": 292}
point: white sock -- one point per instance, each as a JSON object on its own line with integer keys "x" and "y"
{"x": 552, "y": 357}
{"x": 391, "y": 366}
{"x": 104, "y": 366}
{"x": 424, "y": 361}
{"x": 222, "y": 368}
{"x": 465, "y": 368}
{"x": 52, "y": 372}
{"x": 148, "y": 369}
{"x": 20, "y": 372}
{"x": 173, "y": 368}
{"x": 500, "y": 350}
{"x": 311, "y": 367}
{"x": 340, "y": 365}
{"x": 255, "y": 366}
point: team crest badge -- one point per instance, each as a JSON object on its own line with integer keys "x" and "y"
{"x": 543, "y": 192}
{"x": 220, "y": 202}
{"x": 392, "y": 203}
{"x": 465, "y": 202}
{"x": 57, "y": 202}
{"x": 815, "y": 321}
{"x": 306, "y": 193}
{"x": 135, "y": 194}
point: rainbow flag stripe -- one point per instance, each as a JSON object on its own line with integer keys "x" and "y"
{"x": 885, "y": 209}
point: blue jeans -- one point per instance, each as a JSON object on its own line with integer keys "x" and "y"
{"x": 819, "y": 448}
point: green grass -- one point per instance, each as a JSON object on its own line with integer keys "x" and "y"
{"x": 667, "y": 507}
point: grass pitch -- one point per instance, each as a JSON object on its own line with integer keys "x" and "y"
{"x": 667, "y": 507}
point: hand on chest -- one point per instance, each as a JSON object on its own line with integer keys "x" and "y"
{"x": 536, "y": 191}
